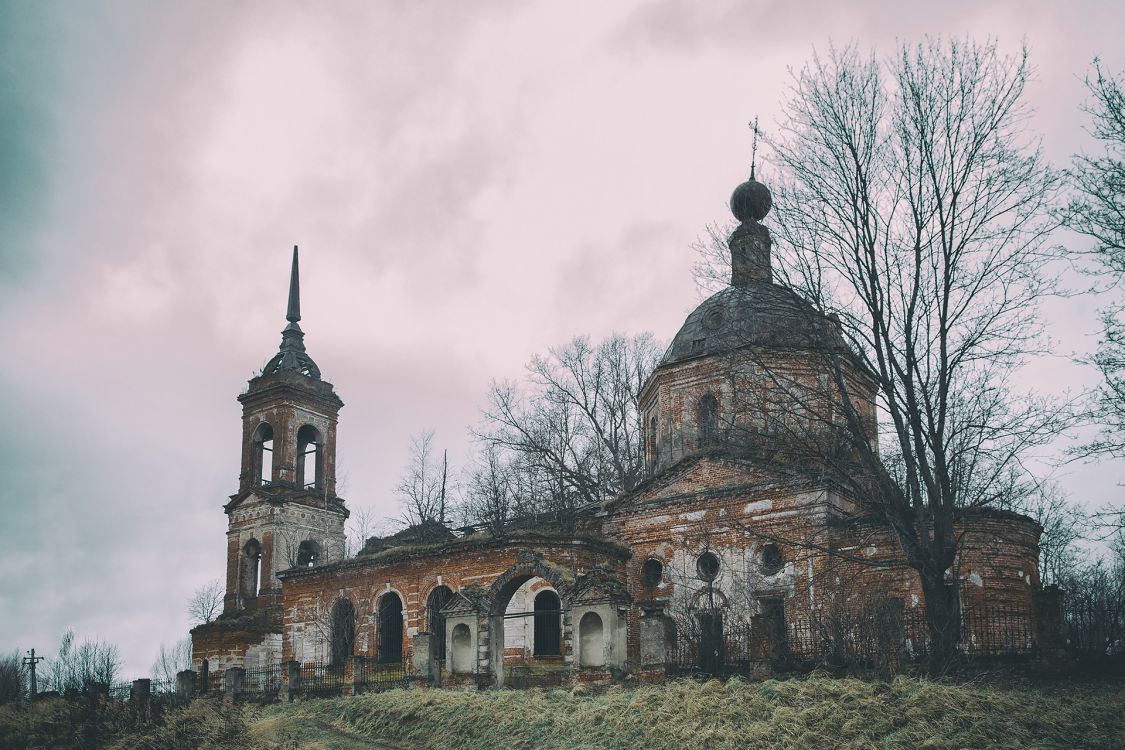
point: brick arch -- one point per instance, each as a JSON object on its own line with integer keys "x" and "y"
{"x": 527, "y": 567}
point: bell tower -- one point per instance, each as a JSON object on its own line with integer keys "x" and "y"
{"x": 286, "y": 512}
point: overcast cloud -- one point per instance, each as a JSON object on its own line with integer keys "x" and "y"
{"x": 470, "y": 183}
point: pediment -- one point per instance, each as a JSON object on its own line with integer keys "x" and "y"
{"x": 470, "y": 600}
{"x": 597, "y": 587}
{"x": 709, "y": 474}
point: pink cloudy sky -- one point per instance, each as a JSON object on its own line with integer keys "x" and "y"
{"x": 470, "y": 183}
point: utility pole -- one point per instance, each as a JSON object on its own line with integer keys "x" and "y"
{"x": 30, "y": 661}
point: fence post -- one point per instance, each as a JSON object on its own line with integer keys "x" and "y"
{"x": 347, "y": 686}
{"x": 1049, "y": 635}
{"x": 359, "y": 673}
{"x": 424, "y": 660}
{"x": 291, "y": 681}
{"x": 654, "y": 647}
{"x": 233, "y": 679}
{"x": 140, "y": 694}
{"x": 185, "y": 684}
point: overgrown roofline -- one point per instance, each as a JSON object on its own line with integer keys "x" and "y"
{"x": 475, "y": 542}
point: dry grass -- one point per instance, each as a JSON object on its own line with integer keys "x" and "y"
{"x": 814, "y": 712}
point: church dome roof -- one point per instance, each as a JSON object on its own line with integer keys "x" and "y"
{"x": 755, "y": 313}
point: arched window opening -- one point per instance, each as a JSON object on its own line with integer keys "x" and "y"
{"x": 652, "y": 573}
{"x": 548, "y": 624}
{"x": 591, "y": 641}
{"x": 308, "y": 554}
{"x": 251, "y": 569}
{"x": 462, "y": 649}
{"x": 772, "y": 559}
{"x": 263, "y": 454}
{"x": 343, "y": 631}
{"x": 652, "y": 440}
{"x": 707, "y": 566}
{"x": 435, "y": 622}
{"x": 389, "y": 634}
{"x": 308, "y": 457}
{"x": 708, "y": 418}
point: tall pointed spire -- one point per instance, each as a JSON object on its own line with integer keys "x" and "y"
{"x": 291, "y": 355}
{"x": 293, "y": 314}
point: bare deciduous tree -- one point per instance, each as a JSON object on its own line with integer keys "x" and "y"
{"x": 1064, "y": 525}
{"x": 1099, "y": 213}
{"x": 914, "y": 211}
{"x": 577, "y": 425}
{"x": 74, "y": 666}
{"x": 423, "y": 489}
{"x": 489, "y": 495}
{"x": 171, "y": 660}
{"x": 206, "y": 603}
{"x": 361, "y": 525}
{"x": 13, "y": 678}
{"x": 1095, "y": 606}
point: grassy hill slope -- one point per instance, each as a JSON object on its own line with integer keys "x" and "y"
{"x": 813, "y": 712}
{"x": 801, "y": 713}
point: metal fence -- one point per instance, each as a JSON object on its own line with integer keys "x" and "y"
{"x": 158, "y": 688}
{"x": 211, "y": 682}
{"x": 521, "y": 676}
{"x": 263, "y": 682}
{"x": 372, "y": 677}
{"x": 321, "y": 679}
{"x": 1095, "y": 630}
{"x": 998, "y": 630}
{"x": 872, "y": 638}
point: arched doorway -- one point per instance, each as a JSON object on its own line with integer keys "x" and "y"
{"x": 435, "y": 622}
{"x": 462, "y": 658}
{"x": 251, "y": 569}
{"x": 343, "y": 632}
{"x": 591, "y": 640}
{"x": 547, "y": 624}
{"x": 527, "y": 624}
{"x": 389, "y": 629}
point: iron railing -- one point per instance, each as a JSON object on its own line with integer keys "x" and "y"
{"x": 522, "y": 676}
{"x": 321, "y": 679}
{"x": 369, "y": 676}
{"x": 867, "y": 639}
{"x": 263, "y": 682}
{"x": 1095, "y": 630}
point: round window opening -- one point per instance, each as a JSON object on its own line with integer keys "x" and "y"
{"x": 713, "y": 319}
{"x": 707, "y": 566}
{"x": 772, "y": 561}
{"x": 652, "y": 572}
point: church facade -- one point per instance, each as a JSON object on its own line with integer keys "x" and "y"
{"x": 723, "y": 554}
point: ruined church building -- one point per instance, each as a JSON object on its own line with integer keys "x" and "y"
{"x": 690, "y": 568}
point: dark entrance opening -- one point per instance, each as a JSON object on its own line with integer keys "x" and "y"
{"x": 439, "y": 598}
{"x": 773, "y": 617}
{"x": 548, "y": 624}
{"x": 343, "y": 631}
{"x": 389, "y": 649}
{"x": 712, "y": 654}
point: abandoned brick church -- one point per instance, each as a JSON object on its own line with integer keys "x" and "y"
{"x": 713, "y": 559}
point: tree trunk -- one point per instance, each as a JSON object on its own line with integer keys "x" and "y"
{"x": 943, "y": 618}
